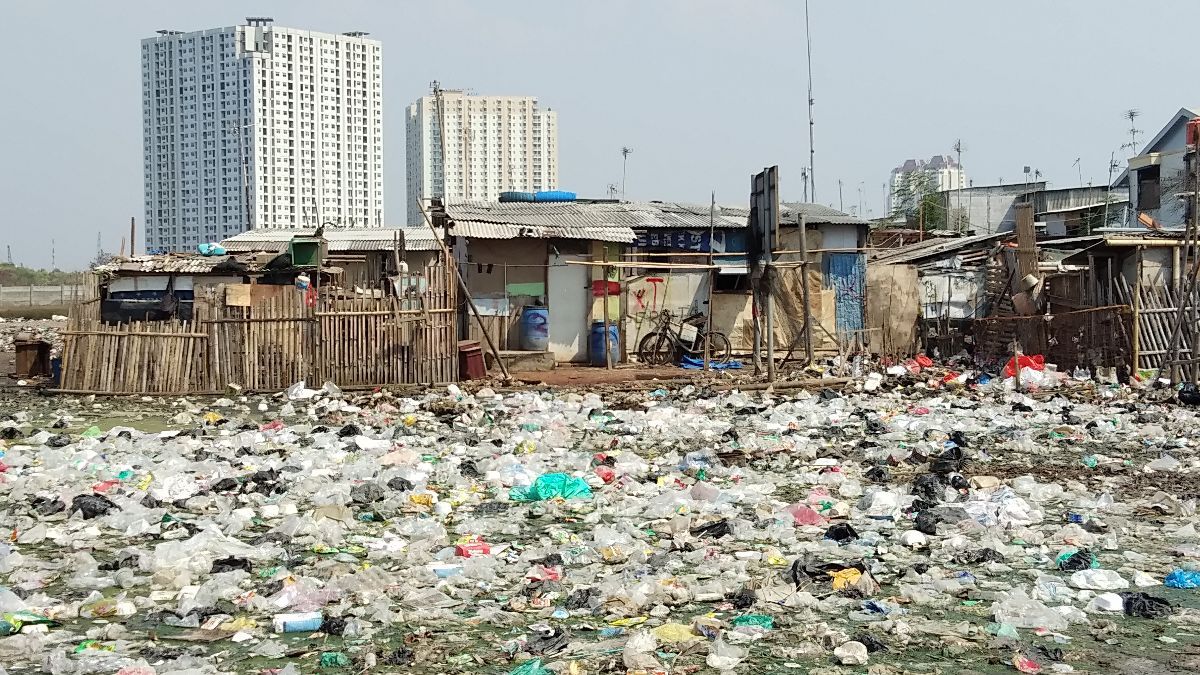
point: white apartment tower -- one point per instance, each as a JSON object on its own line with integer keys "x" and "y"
{"x": 494, "y": 144}
{"x": 259, "y": 126}
{"x": 943, "y": 173}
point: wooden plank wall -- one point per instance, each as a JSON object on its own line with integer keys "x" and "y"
{"x": 359, "y": 335}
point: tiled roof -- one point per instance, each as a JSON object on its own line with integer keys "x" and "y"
{"x": 601, "y": 221}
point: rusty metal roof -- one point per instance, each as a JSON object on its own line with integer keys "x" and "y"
{"x": 339, "y": 240}
{"x": 180, "y": 263}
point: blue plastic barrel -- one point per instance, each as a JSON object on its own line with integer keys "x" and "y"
{"x": 56, "y": 371}
{"x": 554, "y": 196}
{"x": 535, "y": 329}
{"x": 512, "y": 196}
{"x": 596, "y": 343}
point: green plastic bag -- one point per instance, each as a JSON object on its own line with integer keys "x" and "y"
{"x": 760, "y": 620}
{"x": 549, "y": 486}
{"x": 334, "y": 660}
{"x": 531, "y": 667}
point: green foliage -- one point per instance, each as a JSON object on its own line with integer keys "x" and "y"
{"x": 17, "y": 275}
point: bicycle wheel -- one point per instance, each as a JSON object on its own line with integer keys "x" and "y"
{"x": 718, "y": 347}
{"x": 655, "y": 349}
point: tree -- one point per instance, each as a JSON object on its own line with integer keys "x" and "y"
{"x": 916, "y": 200}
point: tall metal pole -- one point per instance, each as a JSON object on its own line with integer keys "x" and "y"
{"x": 811, "y": 150}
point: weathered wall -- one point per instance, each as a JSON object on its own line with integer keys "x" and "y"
{"x": 893, "y": 304}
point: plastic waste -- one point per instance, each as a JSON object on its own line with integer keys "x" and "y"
{"x": 1182, "y": 579}
{"x": 550, "y": 486}
{"x": 852, "y": 653}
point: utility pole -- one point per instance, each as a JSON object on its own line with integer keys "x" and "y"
{"x": 440, "y": 103}
{"x": 841, "y": 207}
{"x": 811, "y": 150}
{"x": 625, "y": 152}
{"x": 9, "y": 246}
{"x": 804, "y": 179}
{"x": 958, "y": 148}
{"x": 53, "y": 259}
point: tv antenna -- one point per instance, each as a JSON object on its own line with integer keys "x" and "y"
{"x": 612, "y": 190}
{"x": 625, "y": 152}
{"x": 1078, "y": 169}
{"x": 1132, "y": 114}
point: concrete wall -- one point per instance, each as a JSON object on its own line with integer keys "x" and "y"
{"x": 36, "y": 296}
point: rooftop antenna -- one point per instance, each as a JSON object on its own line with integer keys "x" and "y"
{"x": 612, "y": 190}
{"x": 625, "y": 151}
{"x": 1112, "y": 167}
{"x": 1078, "y": 169}
{"x": 811, "y": 151}
{"x": 1131, "y": 115}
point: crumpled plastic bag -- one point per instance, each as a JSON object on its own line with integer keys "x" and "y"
{"x": 639, "y": 651}
{"x": 549, "y": 486}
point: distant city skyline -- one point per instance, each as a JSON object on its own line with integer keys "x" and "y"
{"x": 672, "y": 79}
{"x": 494, "y": 144}
{"x": 259, "y": 125}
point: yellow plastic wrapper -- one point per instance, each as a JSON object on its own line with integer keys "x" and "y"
{"x": 630, "y": 622}
{"x": 845, "y": 578}
{"x": 674, "y": 633}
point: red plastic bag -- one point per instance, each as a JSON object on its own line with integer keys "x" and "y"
{"x": 924, "y": 361}
{"x": 1037, "y": 362}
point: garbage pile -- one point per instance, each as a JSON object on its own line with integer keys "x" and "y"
{"x": 538, "y": 532}
{"x": 37, "y": 329}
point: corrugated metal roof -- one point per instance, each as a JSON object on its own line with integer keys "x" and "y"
{"x": 579, "y": 219}
{"x": 339, "y": 239}
{"x": 486, "y": 230}
{"x": 179, "y": 263}
{"x": 614, "y": 221}
{"x": 816, "y": 214}
{"x": 933, "y": 248}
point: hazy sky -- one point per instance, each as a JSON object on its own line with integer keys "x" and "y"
{"x": 706, "y": 92}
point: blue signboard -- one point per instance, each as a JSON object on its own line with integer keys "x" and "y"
{"x": 693, "y": 240}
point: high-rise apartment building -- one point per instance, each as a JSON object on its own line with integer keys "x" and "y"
{"x": 494, "y": 144}
{"x": 259, "y": 126}
{"x": 939, "y": 174}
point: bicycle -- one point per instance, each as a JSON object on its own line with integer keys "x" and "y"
{"x": 668, "y": 342}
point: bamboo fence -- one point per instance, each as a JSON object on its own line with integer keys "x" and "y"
{"x": 356, "y": 336}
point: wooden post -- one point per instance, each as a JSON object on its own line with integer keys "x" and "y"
{"x": 712, "y": 281}
{"x": 1016, "y": 348}
{"x": 462, "y": 285}
{"x": 808, "y": 346}
{"x": 608, "y": 363}
{"x": 1137, "y": 316}
{"x": 31, "y": 295}
{"x": 131, "y": 236}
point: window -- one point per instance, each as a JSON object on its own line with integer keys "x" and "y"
{"x": 1149, "y": 188}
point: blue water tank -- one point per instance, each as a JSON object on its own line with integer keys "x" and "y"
{"x": 596, "y": 343}
{"x": 516, "y": 197}
{"x": 554, "y": 196}
{"x": 535, "y": 329}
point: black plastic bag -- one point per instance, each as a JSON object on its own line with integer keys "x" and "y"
{"x": 928, "y": 488}
{"x": 93, "y": 506}
{"x": 983, "y": 555}
{"x": 230, "y": 564}
{"x": 1077, "y": 561}
{"x": 367, "y": 493}
{"x": 333, "y": 625}
{"x": 927, "y": 521}
{"x": 841, "y": 533}
{"x": 47, "y": 506}
{"x": 1145, "y": 606}
{"x": 878, "y": 474}
{"x": 744, "y": 599}
{"x": 468, "y": 469}
{"x": 58, "y": 441}
{"x": 580, "y": 598}
{"x": 225, "y": 485}
{"x": 871, "y": 642}
{"x": 349, "y": 430}
{"x": 1189, "y": 394}
{"x": 401, "y": 657}
{"x": 720, "y": 528}
{"x": 400, "y": 484}
{"x": 950, "y": 461}
{"x": 548, "y": 644}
